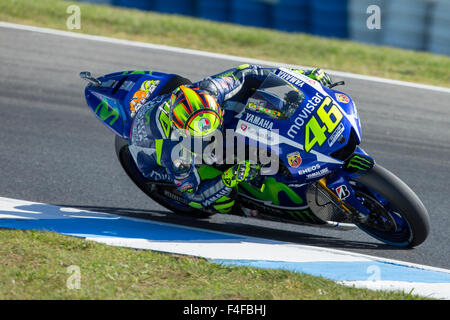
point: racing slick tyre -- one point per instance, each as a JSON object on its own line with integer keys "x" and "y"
{"x": 397, "y": 217}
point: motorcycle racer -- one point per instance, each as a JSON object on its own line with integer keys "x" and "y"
{"x": 195, "y": 112}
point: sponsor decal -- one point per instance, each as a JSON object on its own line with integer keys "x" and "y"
{"x": 318, "y": 174}
{"x": 243, "y": 126}
{"x": 309, "y": 108}
{"x": 309, "y": 169}
{"x": 360, "y": 163}
{"x": 158, "y": 176}
{"x": 314, "y": 171}
{"x": 175, "y": 197}
{"x": 336, "y": 134}
{"x": 342, "y": 98}
{"x": 149, "y": 85}
{"x": 259, "y": 121}
{"x": 342, "y": 192}
{"x": 224, "y": 192}
{"x": 140, "y": 97}
{"x": 187, "y": 187}
{"x": 104, "y": 110}
{"x": 294, "y": 159}
{"x": 260, "y": 106}
{"x": 290, "y": 78}
{"x": 296, "y": 185}
{"x": 271, "y": 191}
{"x": 327, "y": 114}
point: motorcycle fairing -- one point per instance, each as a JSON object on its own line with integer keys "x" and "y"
{"x": 110, "y": 101}
{"x": 279, "y": 138}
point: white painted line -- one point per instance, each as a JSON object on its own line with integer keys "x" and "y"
{"x": 214, "y": 55}
{"x": 14, "y": 209}
{"x": 244, "y": 249}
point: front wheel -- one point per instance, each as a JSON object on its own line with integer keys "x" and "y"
{"x": 397, "y": 216}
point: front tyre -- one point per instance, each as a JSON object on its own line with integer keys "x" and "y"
{"x": 397, "y": 216}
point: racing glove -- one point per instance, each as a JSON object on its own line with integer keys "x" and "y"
{"x": 320, "y": 76}
{"x": 243, "y": 171}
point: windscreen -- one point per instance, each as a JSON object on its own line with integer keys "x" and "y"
{"x": 276, "y": 98}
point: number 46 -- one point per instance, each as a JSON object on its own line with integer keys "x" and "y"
{"x": 314, "y": 133}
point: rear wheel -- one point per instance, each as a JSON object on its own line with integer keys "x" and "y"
{"x": 397, "y": 216}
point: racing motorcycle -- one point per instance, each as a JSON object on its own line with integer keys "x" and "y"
{"x": 323, "y": 177}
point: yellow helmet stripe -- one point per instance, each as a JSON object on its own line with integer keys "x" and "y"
{"x": 193, "y": 99}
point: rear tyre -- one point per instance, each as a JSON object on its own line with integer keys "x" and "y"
{"x": 397, "y": 217}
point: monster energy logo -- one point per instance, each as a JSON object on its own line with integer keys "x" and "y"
{"x": 360, "y": 163}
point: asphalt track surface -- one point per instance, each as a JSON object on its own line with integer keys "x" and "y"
{"x": 54, "y": 150}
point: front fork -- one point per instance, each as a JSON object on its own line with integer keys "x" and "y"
{"x": 340, "y": 188}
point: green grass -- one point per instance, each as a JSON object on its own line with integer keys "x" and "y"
{"x": 300, "y": 49}
{"x": 33, "y": 265}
